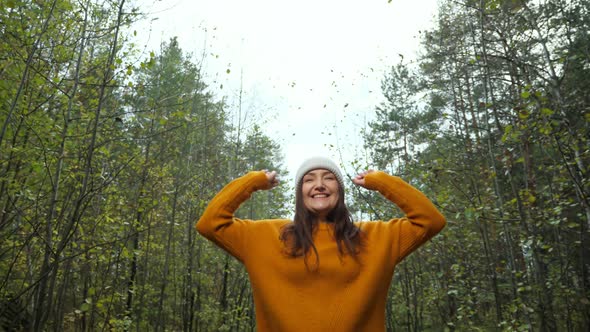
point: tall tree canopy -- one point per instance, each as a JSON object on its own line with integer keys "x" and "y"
{"x": 493, "y": 123}
{"x": 108, "y": 158}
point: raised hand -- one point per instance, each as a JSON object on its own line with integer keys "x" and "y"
{"x": 359, "y": 179}
{"x": 272, "y": 178}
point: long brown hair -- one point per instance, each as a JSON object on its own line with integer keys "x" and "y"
{"x": 298, "y": 235}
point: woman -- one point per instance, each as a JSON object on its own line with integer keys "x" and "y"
{"x": 320, "y": 272}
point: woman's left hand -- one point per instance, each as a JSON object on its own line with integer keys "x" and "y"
{"x": 359, "y": 179}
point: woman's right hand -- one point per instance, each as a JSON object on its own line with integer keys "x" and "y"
{"x": 272, "y": 179}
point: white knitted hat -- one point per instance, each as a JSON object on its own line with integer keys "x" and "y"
{"x": 318, "y": 163}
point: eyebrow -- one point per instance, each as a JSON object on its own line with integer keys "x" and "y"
{"x": 321, "y": 172}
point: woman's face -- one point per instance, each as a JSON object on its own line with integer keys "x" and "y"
{"x": 320, "y": 192}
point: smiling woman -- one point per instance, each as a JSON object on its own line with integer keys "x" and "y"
{"x": 320, "y": 192}
{"x": 319, "y": 199}
{"x": 347, "y": 289}
{"x": 320, "y": 182}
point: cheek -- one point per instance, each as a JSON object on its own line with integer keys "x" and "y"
{"x": 306, "y": 200}
{"x": 304, "y": 188}
{"x": 335, "y": 190}
{"x": 335, "y": 200}
{"x": 335, "y": 195}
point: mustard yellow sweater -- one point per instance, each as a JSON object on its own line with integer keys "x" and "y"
{"x": 342, "y": 294}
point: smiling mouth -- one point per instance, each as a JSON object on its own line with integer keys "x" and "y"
{"x": 319, "y": 196}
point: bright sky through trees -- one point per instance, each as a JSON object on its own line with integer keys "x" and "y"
{"x": 310, "y": 71}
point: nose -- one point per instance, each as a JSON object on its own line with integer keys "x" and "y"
{"x": 319, "y": 185}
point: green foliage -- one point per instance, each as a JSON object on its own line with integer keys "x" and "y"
{"x": 107, "y": 161}
{"x": 507, "y": 164}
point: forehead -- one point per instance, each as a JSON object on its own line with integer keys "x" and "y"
{"x": 318, "y": 172}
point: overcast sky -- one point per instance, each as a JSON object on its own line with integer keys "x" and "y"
{"x": 310, "y": 70}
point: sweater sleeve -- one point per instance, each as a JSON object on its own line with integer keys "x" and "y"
{"x": 218, "y": 223}
{"x": 422, "y": 219}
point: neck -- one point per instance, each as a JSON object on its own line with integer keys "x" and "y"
{"x": 322, "y": 219}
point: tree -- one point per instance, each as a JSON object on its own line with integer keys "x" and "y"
{"x": 506, "y": 165}
{"x": 108, "y": 160}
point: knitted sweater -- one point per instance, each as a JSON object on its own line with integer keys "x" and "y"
{"x": 343, "y": 294}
